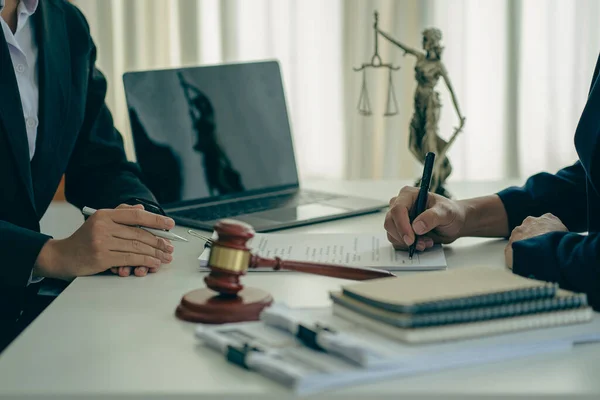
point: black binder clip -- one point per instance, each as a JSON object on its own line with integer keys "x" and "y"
{"x": 237, "y": 355}
{"x": 309, "y": 336}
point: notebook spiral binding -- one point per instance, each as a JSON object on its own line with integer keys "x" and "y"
{"x": 475, "y": 314}
{"x": 512, "y": 296}
{"x": 501, "y": 311}
{"x": 488, "y": 299}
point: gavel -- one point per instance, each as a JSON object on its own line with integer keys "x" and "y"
{"x": 226, "y": 299}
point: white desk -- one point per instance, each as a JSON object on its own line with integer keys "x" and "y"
{"x": 109, "y": 336}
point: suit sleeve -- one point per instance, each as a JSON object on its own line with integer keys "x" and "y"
{"x": 563, "y": 194}
{"x": 570, "y": 259}
{"x": 19, "y": 249}
{"x": 98, "y": 174}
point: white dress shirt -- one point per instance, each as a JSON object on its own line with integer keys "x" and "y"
{"x": 24, "y": 53}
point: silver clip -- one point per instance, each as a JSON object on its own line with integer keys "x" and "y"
{"x": 208, "y": 240}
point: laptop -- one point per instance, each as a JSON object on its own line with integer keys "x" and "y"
{"x": 215, "y": 142}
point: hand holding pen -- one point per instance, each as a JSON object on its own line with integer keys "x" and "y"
{"x": 109, "y": 238}
{"x": 439, "y": 220}
{"x": 421, "y": 203}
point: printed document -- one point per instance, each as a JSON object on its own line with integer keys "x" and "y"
{"x": 356, "y": 250}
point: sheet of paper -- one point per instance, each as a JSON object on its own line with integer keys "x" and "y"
{"x": 358, "y": 250}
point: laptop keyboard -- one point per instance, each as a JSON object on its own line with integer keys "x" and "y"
{"x": 241, "y": 207}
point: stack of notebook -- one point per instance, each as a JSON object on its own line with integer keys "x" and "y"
{"x": 458, "y": 303}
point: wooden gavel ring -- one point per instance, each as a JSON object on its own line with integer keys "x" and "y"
{"x": 229, "y": 259}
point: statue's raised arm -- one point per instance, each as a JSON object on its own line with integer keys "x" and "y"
{"x": 407, "y": 49}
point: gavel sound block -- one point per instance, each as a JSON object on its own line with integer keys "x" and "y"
{"x": 225, "y": 299}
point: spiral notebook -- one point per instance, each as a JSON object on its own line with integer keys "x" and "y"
{"x": 562, "y": 301}
{"x": 455, "y": 289}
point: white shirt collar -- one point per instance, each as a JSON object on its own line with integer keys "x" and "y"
{"x": 25, "y": 9}
{"x": 25, "y": 6}
{"x": 28, "y": 6}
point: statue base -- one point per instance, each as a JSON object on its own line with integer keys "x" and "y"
{"x": 208, "y": 307}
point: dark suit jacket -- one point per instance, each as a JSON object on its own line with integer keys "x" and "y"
{"x": 76, "y": 137}
{"x": 573, "y": 195}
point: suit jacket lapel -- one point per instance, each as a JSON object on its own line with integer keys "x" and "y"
{"x": 596, "y": 73}
{"x": 54, "y": 68}
{"x": 587, "y": 135}
{"x": 11, "y": 116}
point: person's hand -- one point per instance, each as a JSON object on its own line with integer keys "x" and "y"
{"x": 532, "y": 227}
{"x": 137, "y": 271}
{"x": 441, "y": 222}
{"x": 107, "y": 239}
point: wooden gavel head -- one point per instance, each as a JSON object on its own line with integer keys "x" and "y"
{"x": 229, "y": 257}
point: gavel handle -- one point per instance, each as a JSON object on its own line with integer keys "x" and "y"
{"x": 335, "y": 271}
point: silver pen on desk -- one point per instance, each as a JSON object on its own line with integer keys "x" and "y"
{"x": 156, "y": 232}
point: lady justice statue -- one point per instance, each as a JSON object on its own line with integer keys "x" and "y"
{"x": 424, "y": 124}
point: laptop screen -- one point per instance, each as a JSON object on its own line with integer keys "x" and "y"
{"x": 211, "y": 132}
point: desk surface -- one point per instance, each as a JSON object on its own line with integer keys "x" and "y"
{"x": 107, "y": 335}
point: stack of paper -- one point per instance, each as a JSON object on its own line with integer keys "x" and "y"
{"x": 353, "y": 354}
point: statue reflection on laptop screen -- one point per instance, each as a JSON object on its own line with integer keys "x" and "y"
{"x": 215, "y": 142}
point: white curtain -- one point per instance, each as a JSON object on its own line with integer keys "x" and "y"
{"x": 521, "y": 71}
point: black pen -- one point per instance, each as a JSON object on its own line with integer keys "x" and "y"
{"x": 421, "y": 204}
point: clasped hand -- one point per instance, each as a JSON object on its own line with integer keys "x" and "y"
{"x": 532, "y": 227}
{"x": 109, "y": 239}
